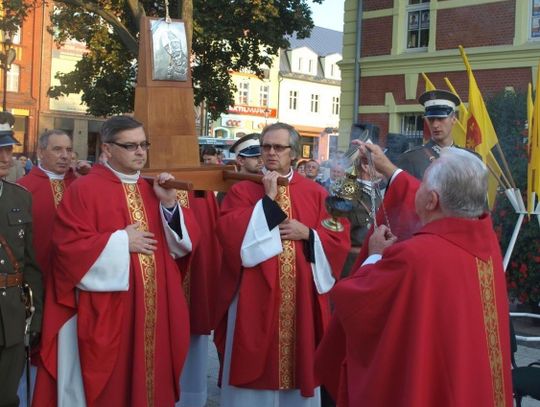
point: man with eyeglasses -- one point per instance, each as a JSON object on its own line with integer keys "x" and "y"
{"x": 278, "y": 264}
{"x": 116, "y": 330}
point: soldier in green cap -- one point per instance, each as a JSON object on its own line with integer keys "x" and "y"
{"x": 440, "y": 117}
{"x": 17, "y": 268}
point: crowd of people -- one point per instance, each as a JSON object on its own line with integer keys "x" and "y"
{"x": 130, "y": 279}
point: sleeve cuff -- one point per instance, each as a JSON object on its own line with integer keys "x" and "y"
{"x": 273, "y": 213}
{"x": 309, "y": 247}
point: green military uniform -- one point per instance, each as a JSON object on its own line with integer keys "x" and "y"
{"x": 16, "y": 230}
{"x": 17, "y": 267}
{"x": 416, "y": 160}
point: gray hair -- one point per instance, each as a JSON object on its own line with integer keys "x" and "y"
{"x": 294, "y": 137}
{"x": 43, "y": 140}
{"x": 116, "y": 124}
{"x": 460, "y": 178}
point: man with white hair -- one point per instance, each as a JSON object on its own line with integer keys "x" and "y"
{"x": 420, "y": 313}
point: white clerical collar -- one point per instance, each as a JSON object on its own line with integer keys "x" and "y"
{"x": 288, "y": 176}
{"x": 52, "y": 175}
{"x": 125, "y": 178}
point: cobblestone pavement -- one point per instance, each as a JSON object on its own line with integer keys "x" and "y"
{"x": 524, "y": 356}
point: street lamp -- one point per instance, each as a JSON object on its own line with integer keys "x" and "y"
{"x": 6, "y": 59}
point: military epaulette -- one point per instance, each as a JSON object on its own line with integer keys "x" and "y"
{"x": 415, "y": 148}
{"x": 15, "y": 185}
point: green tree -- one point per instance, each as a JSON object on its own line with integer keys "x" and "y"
{"x": 508, "y": 112}
{"x": 13, "y": 14}
{"x": 228, "y": 35}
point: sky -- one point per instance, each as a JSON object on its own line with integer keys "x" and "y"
{"x": 329, "y": 14}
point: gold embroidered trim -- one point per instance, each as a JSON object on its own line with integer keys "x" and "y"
{"x": 58, "y": 188}
{"x": 183, "y": 199}
{"x": 491, "y": 324}
{"x": 148, "y": 269}
{"x": 287, "y": 304}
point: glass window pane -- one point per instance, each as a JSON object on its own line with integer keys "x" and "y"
{"x": 13, "y": 78}
{"x": 424, "y": 38}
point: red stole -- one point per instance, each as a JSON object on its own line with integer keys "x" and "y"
{"x": 132, "y": 344}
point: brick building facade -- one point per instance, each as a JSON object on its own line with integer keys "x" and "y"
{"x": 400, "y": 39}
{"x": 32, "y": 74}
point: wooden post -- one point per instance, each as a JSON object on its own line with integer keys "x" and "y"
{"x": 166, "y": 109}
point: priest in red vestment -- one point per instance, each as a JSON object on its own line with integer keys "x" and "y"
{"x": 200, "y": 288}
{"x": 117, "y": 328}
{"x": 278, "y": 264}
{"x": 427, "y": 323}
{"x": 47, "y": 182}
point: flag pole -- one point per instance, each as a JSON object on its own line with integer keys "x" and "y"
{"x": 512, "y": 243}
{"x": 497, "y": 145}
{"x": 505, "y": 164}
{"x": 502, "y": 183}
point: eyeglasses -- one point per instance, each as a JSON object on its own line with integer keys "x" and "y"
{"x": 278, "y": 148}
{"x": 145, "y": 145}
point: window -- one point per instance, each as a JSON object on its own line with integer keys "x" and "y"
{"x": 535, "y": 18}
{"x": 13, "y": 78}
{"x": 314, "y": 103}
{"x": 16, "y": 38}
{"x": 417, "y": 24}
{"x": 412, "y": 126}
{"x": 264, "y": 95}
{"x": 243, "y": 93}
{"x": 335, "y": 106}
{"x": 293, "y": 95}
{"x": 300, "y": 64}
{"x": 310, "y": 66}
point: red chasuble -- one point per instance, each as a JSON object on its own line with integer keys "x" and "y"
{"x": 133, "y": 343}
{"x": 280, "y": 317}
{"x": 46, "y": 196}
{"x": 201, "y": 275}
{"x": 428, "y": 324}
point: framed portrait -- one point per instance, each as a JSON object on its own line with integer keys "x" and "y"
{"x": 424, "y": 20}
{"x": 413, "y": 20}
{"x": 169, "y": 51}
{"x": 535, "y": 27}
{"x": 536, "y": 8}
{"x": 306, "y": 151}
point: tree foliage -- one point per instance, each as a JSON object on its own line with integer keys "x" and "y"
{"x": 508, "y": 112}
{"x": 228, "y": 35}
{"x": 14, "y": 12}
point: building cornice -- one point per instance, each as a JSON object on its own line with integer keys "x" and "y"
{"x": 309, "y": 78}
{"x": 496, "y": 57}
